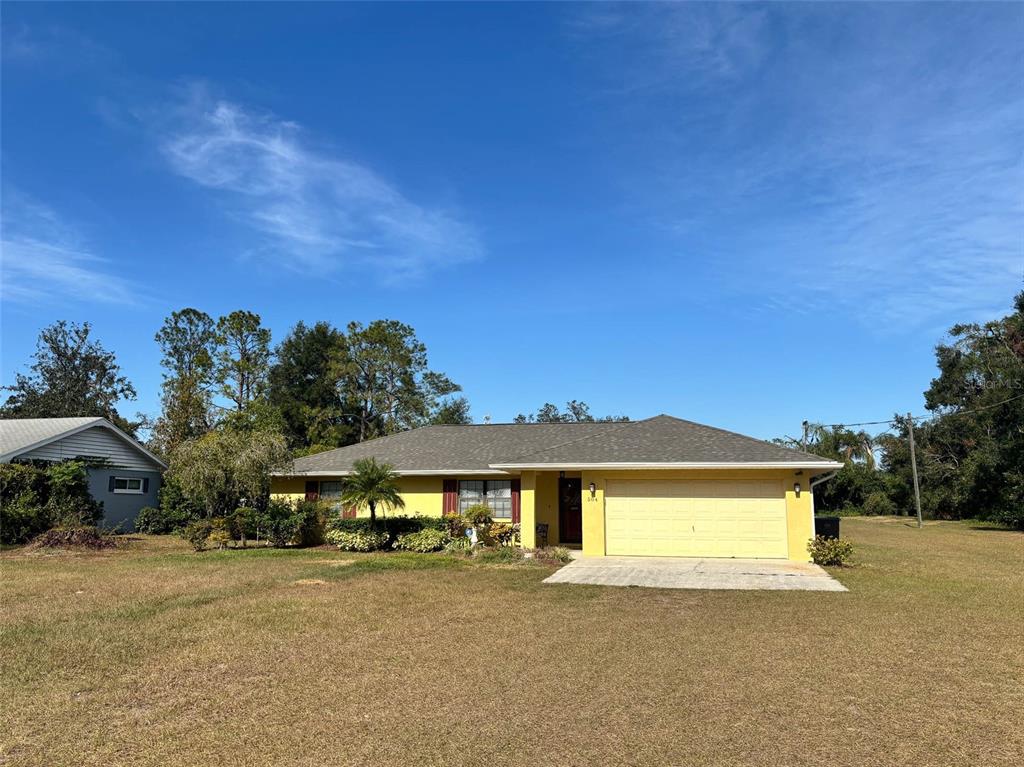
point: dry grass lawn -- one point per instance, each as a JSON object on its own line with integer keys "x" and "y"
{"x": 153, "y": 655}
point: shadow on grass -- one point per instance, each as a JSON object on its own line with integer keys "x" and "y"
{"x": 385, "y": 563}
{"x": 993, "y": 527}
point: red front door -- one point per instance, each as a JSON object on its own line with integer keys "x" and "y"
{"x": 570, "y": 511}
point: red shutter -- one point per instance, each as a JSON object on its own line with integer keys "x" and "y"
{"x": 515, "y": 501}
{"x": 450, "y": 498}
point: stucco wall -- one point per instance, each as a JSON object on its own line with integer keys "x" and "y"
{"x": 423, "y": 496}
{"x": 539, "y": 500}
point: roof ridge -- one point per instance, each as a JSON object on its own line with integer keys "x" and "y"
{"x": 744, "y": 436}
{"x": 616, "y": 425}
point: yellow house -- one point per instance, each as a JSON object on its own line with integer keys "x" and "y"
{"x": 658, "y": 487}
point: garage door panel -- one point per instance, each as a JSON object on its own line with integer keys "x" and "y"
{"x": 706, "y": 518}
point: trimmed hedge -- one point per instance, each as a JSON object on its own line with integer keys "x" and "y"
{"x": 393, "y": 526}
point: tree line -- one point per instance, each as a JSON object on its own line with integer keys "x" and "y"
{"x": 232, "y": 406}
{"x": 320, "y": 388}
{"x": 970, "y": 448}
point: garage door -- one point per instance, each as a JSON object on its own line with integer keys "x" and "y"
{"x": 695, "y": 518}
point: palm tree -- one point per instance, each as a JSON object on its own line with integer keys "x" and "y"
{"x": 371, "y": 485}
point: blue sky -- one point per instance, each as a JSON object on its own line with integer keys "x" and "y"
{"x": 742, "y": 215}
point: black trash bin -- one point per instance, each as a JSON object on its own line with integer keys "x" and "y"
{"x": 826, "y": 526}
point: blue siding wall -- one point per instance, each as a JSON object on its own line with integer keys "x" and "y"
{"x": 121, "y": 508}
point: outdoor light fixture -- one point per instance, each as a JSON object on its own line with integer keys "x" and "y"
{"x": 796, "y": 489}
{"x": 593, "y": 489}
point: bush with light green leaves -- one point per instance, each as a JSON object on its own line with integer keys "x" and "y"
{"x": 830, "y": 552}
{"x": 424, "y": 541}
{"x": 361, "y": 540}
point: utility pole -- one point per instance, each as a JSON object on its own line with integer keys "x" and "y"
{"x": 913, "y": 468}
{"x": 803, "y": 440}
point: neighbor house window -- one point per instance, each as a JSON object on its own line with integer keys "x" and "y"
{"x": 128, "y": 485}
{"x": 496, "y": 494}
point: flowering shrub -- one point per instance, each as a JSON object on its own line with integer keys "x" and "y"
{"x": 831, "y": 552}
{"x": 423, "y": 541}
{"x": 361, "y": 540}
{"x": 219, "y": 536}
{"x": 197, "y": 532}
{"x": 503, "y": 534}
{"x": 456, "y": 525}
{"x": 553, "y": 554}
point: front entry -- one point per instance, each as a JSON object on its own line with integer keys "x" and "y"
{"x": 570, "y": 510}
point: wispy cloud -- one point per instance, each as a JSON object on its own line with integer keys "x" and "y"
{"x": 44, "y": 261}
{"x": 673, "y": 45}
{"x": 58, "y": 48}
{"x": 312, "y": 208}
{"x": 829, "y": 159}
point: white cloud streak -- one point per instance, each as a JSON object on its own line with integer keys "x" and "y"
{"x": 310, "y": 208}
{"x": 44, "y": 261}
{"x": 830, "y": 159}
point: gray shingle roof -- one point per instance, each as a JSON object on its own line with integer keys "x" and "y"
{"x": 662, "y": 440}
{"x": 19, "y": 434}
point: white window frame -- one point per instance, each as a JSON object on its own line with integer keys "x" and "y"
{"x": 127, "y": 489}
{"x": 484, "y": 497}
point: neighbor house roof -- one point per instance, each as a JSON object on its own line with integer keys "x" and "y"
{"x": 659, "y": 442}
{"x": 22, "y": 435}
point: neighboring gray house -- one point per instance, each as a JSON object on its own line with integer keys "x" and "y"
{"x": 126, "y": 478}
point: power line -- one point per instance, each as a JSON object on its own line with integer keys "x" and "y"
{"x": 916, "y": 418}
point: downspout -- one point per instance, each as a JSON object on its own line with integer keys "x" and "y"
{"x": 817, "y": 481}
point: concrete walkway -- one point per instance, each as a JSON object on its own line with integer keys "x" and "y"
{"x": 686, "y": 573}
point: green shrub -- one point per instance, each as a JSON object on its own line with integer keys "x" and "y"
{"x": 364, "y": 540}
{"x": 313, "y": 517}
{"x": 173, "y": 502}
{"x": 423, "y": 541}
{"x": 879, "y": 504}
{"x": 197, "y": 532}
{"x": 498, "y": 556}
{"x": 459, "y": 545}
{"x": 23, "y": 493}
{"x": 1011, "y": 517}
{"x": 160, "y": 521}
{"x": 70, "y": 502}
{"x": 393, "y": 526}
{"x": 244, "y": 523}
{"x": 479, "y": 517}
{"x": 282, "y": 523}
{"x": 22, "y": 519}
{"x": 34, "y": 498}
{"x": 831, "y": 552}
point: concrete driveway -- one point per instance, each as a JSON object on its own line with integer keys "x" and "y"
{"x": 686, "y": 573}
